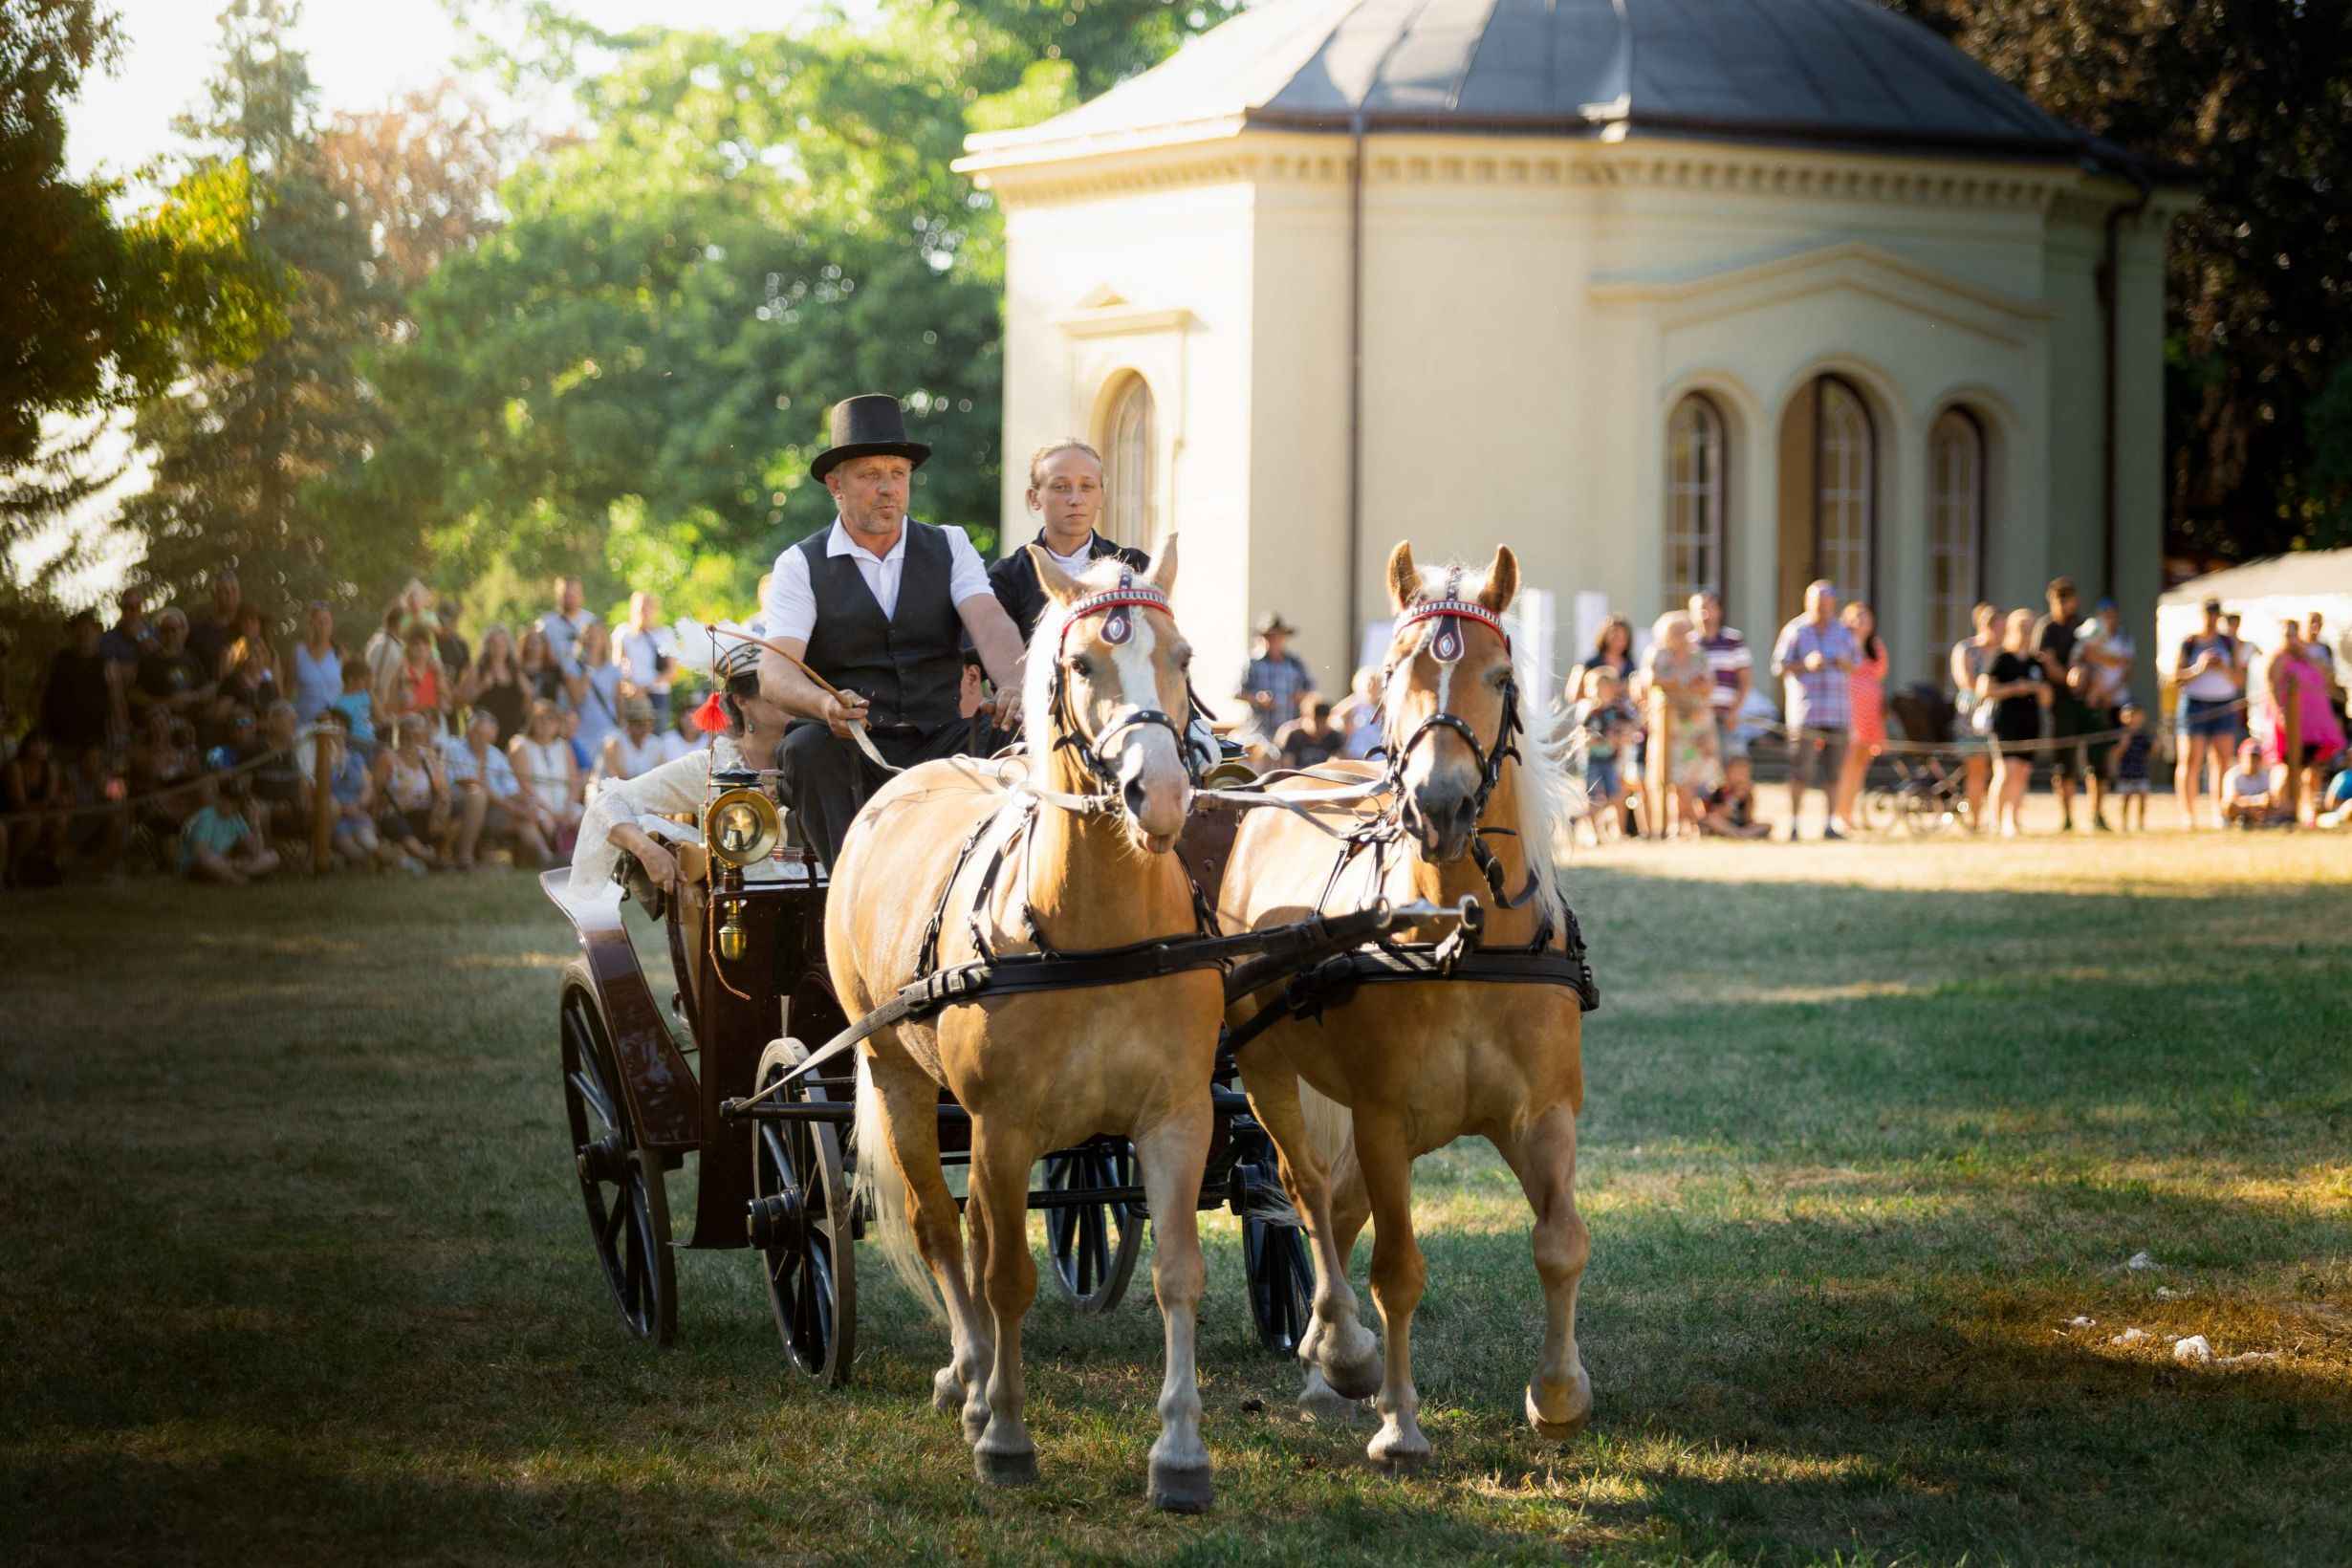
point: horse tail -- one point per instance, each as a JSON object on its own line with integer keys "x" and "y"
{"x": 1331, "y": 1126}
{"x": 879, "y": 1189}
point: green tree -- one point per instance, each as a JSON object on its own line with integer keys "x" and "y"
{"x": 629, "y": 378}
{"x": 2255, "y": 96}
{"x": 97, "y": 311}
{"x": 242, "y": 452}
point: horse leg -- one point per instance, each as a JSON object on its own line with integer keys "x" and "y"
{"x": 1000, "y": 1163}
{"x": 1398, "y": 1275}
{"x": 1342, "y": 1357}
{"x": 1544, "y": 1158}
{"x": 1350, "y": 1209}
{"x": 910, "y": 1119}
{"x": 1172, "y": 1155}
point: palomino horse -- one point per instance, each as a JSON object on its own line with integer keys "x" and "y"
{"x": 1421, "y": 1063}
{"x": 1041, "y": 1070}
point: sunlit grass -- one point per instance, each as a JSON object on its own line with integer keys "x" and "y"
{"x": 298, "y": 1274}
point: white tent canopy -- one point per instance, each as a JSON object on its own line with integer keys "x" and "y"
{"x": 2266, "y": 592}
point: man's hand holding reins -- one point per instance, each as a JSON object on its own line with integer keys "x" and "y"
{"x": 842, "y": 710}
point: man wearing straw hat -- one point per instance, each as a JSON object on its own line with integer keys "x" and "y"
{"x": 876, "y": 608}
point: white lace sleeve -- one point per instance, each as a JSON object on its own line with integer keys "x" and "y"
{"x": 674, "y": 787}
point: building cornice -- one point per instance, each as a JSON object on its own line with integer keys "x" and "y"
{"x": 1229, "y": 151}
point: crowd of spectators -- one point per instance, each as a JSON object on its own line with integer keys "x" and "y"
{"x": 2048, "y": 692}
{"x": 195, "y": 745}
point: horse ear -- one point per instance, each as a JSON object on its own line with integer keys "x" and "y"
{"x": 1403, "y": 576}
{"x": 1502, "y": 584}
{"x": 1059, "y": 585}
{"x": 1163, "y": 573}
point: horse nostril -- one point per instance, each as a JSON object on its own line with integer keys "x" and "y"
{"x": 1134, "y": 795}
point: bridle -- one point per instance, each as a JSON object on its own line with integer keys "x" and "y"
{"x": 1445, "y": 643}
{"x": 1115, "y": 604}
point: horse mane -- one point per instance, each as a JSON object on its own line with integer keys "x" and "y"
{"x": 1044, "y": 652}
{"x": 1550, "y": 798}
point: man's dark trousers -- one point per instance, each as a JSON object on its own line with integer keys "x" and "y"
{"x": 826, "y": 778}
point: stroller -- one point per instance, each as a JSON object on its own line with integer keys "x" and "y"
{"x": 1929, "y": 791}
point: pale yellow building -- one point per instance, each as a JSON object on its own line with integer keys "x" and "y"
{"x": 1662, "y": 294}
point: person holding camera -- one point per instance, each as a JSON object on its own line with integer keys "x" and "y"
{"x": 648, "y": 655}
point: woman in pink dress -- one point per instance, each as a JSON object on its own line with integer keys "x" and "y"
{"x": 2296, "y": 682}
{"x": 1866, "y": 694}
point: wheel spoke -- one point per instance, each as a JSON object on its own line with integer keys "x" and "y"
{"x": 614, "y": 1217}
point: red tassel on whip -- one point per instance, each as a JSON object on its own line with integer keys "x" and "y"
{"x": 712, "y": 717}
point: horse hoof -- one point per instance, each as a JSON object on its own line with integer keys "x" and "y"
{"x": 1570, "y": 1410}
{"x": 1006, "y": 1469}
{"x": 1181, "y": 1489}
{"x": 947, "y": 1392}
{"x": 1394, "y": 1452}
{"x": 1356, "y": 1379}
{"x": 1318, "y": 1401}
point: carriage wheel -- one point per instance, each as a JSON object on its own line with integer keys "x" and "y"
{"x": 1923, "y": 814}
{"x": 1094, "y": 1245}
{"x": 1282, "y": 1282}
{"x": 802, "y": 1227}
{"x": 1881, "y": 811}
{"x": 620, "y": 1183}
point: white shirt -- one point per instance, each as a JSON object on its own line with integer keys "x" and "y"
{"x": 791, "y": 609}
{"x": 1077, "y": 561}
{"x": 563, "y": 631}
{"x": 641, "y": 654}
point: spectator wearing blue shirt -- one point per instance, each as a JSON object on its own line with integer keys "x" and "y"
{"x": 1277, "y": 684}
{"x": 1813, "y": 657}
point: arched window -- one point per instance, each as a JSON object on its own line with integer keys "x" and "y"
{"x": 1956, "y": 524}
{"x": 1126, "y": 448}
{"x": 1694, "y": 499}
{"x": 1845, "y": 490}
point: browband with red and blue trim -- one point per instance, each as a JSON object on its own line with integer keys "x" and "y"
{"x": 1465, "y": 609}
{"x": 1125, "y": 596}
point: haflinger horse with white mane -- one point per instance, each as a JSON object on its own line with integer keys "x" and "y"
{"x": 1352, "y": 1093}
{"x": 943, "y": 860}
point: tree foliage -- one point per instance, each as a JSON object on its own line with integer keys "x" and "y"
{"x": 95, "y": 312}
{"x": 245, "y": 454}
{"x": 629, "y": 378}
{"x": 2257, "y": 96}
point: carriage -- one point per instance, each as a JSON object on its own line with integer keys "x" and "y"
{"x": 645, "y": 1086}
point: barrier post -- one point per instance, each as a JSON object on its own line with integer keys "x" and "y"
{"x": 323, "y": 800}
{"x": 2291, "y": 747}
{"x": 1658, "y": 785}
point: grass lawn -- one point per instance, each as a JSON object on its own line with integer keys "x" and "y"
{"x": 297, "y": 1274}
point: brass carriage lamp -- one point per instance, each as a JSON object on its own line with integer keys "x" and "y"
{"x": 741, "y": 827}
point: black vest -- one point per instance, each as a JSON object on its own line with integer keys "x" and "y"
{"x": 910, "y": 666}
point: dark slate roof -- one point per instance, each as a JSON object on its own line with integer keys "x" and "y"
{"x": 1835, "y": 72}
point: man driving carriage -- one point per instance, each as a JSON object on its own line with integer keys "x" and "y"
{"x": 879, "y": 606}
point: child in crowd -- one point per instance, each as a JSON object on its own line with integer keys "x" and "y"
{"x": 1730, "y": 805}
{"x": 357, "y": 705}
{"x": 2248, "y": 794}
{"x": 216, "y": 842}
{"x": 2128, "y": 768}
{"x": 356, "y": 842}
{"x": 2336, "y": 805}
{"x": 1609, "y": 722}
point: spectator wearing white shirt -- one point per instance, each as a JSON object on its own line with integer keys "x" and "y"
{"x": 636, "y": 747}
{"x": 879, "y": 606}
{"x": 489, "y": 798}
{"x": 566, "y": 621}
{"x": 648, "y": 654}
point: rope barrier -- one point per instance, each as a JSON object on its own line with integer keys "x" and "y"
{"x": 44, "y": 814}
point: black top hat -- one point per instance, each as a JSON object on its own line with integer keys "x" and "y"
{"x": 866, "y": 425}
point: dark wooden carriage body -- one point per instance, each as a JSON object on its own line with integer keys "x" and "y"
{"x": 655, "y": 1072}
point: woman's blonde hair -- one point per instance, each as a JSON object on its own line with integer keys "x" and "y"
{"x": 1039, "y": 459}
{"x": 1666, "y": 623}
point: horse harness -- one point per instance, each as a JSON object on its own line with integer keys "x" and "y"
{"x": 1273, "y": 953}
{"x": 1459, "y": 956}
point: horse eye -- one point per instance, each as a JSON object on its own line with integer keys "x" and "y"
{"x": 1081, "y": 665}
{"x": 1499, "y": 675}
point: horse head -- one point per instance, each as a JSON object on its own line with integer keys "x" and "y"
{"x": 1452, "y": 708}
{"x": 1107, "y": 682}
